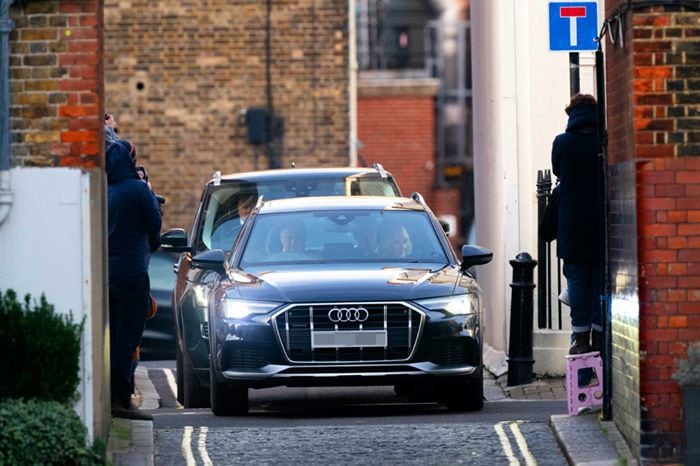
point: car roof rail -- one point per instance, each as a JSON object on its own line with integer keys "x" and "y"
{"x": 260, "y": 202}
{"x": 418, "y": 197}
{"x": 380, "y": 168}
{"x": 216, "y": 177}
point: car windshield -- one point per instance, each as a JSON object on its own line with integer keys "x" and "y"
{"x": 345, "y": 236}
{"x": 227, "y": 205}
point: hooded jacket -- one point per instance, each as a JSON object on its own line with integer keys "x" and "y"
{"x": 134, "y": 217}
{"x": 574, "y": 162}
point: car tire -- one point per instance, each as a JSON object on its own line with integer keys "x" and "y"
{"x": 179, "y": 376}
{"x": 194, "y": 394}
{"x": 465, "y": 395}
{"x": 229, "y": 399}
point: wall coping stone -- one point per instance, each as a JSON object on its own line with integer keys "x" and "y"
{"x": 396, "y": 83}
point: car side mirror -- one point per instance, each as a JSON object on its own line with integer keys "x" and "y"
{"x": 475, "y": 255}
{"x": 174, "y": 240}
{"x": 213, "y": 260}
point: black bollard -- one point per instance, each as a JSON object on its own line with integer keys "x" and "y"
{"x": 520, "y": 359}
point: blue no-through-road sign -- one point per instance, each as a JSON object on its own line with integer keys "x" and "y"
{"x": 573, "y": 26}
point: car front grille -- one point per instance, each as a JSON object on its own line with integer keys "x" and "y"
{"x": 402, "y": 324}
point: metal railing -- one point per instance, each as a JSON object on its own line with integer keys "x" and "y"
{"x": 545, "y": 260}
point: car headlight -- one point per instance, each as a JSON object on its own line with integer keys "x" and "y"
{"x": 240, "y": 309}
{"x": 462, "y": 304}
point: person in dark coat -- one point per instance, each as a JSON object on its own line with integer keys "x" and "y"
{"x": 134, "y": 222}
{"x": 574, "y": 162}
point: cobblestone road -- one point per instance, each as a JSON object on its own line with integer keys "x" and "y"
{"x": 474, "y": 443}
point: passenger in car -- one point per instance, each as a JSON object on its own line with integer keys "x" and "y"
{"x": 293, "y": 237}
{"x": 394, "y": 242}
{"x": 229, "y": 224}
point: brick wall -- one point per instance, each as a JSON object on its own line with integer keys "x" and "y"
{"x": 669, "y": 229}
{"x": 654, "y": 110}
{"x": 56, "y": 85}
{"x": 179, "y": 74}
{"x": 399, "y": 132}
{"x": 396, "y": 126}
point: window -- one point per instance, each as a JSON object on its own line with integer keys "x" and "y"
{"x": 350, "y": 236}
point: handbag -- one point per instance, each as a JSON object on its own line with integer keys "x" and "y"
{"x": 547, "y": 229}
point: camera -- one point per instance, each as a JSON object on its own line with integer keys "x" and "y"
{"x": 143, "y": 174}
{"x": 141, "y": 170}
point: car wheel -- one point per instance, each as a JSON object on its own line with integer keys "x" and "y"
{"x": 228, "y": 399}
{"x": 465, "y": 396}
{"x": 179, "y": 376}
{"x": 194, "y": 395}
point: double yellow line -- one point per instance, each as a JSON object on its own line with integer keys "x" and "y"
{"x": 514, "y": 427}
{"x": 186, "y": 446}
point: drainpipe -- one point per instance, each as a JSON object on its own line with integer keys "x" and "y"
{"x": 6, "y": 26}
{"x": 352, "y": 81}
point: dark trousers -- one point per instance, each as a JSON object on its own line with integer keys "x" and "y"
{"x": 128, "y": 306}
{"x": 583, "y": 282}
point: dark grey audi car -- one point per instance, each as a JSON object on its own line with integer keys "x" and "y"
{"x": 344, "y": 291}
{"x": 217, "y": 224}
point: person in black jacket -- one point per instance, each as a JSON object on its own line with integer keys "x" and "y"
{"x": 574, "y": 161}
{"x": 134, "y": 222}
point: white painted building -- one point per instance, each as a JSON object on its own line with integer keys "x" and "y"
{"x": 520, "y": 90}
{"x": 52, "y": 223}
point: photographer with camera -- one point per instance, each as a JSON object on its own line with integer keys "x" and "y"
{"x": 127, "y": 325}
{"x": 134, "y": 222}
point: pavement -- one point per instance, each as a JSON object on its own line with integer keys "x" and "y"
{"x": 585, "y": 439}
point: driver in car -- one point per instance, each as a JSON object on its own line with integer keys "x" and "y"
{"x": 227, "y": 231}
{"x": 394, "y": 241}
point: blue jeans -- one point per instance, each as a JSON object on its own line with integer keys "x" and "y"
{"x": 584, "y": 285}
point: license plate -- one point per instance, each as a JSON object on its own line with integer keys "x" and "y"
{"x": 349, "y": 339}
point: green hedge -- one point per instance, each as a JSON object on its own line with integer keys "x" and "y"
{"x": 44, "y": 432}
{"x": 40, "y": 350}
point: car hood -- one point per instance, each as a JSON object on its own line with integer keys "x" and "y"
{"x": 324, "y": 284}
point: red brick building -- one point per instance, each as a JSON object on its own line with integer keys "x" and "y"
{"x": 396, "y": 126}
{"x": 653, "y": 113}
{"x": 56, "y": 83}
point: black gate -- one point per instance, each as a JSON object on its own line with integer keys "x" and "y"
{"x": 545, "y": 259}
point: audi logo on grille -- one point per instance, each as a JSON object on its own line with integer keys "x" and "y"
{"x": 348, "y": 314}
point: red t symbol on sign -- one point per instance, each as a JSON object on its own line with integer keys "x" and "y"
{"x": 572, "y": 12}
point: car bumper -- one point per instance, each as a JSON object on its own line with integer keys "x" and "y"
{"x": 250, "y": 352}
{"x": 278, "y": 374}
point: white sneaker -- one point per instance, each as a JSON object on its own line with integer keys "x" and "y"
{"x": 564, "y": 297}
